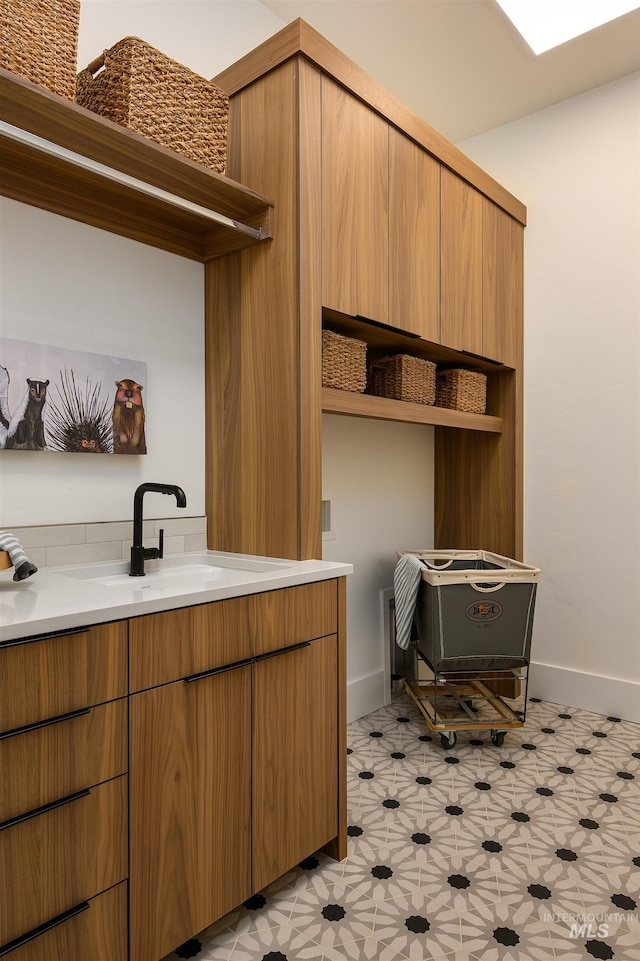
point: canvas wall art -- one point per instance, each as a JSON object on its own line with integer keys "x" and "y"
{"x": 53, "y": 399}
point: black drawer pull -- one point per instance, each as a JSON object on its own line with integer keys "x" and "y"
{"x": 283, "y": 650}
{"x": 44, "y": 809}
{"x": 47, "y": 723}
{"x": 44, "y": 637}
{"x": 43, "y": 928}
{"x": 217, "y": 670}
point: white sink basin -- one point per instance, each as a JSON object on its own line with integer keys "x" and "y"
{"x": 180, "y": 572}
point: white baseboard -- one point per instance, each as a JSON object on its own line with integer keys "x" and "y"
{"x": 365, "y": 695}
{"x": 610, "y": 696}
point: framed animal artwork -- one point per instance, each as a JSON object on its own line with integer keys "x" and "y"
{"x": 70, "y": 401}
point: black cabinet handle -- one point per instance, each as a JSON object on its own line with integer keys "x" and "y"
{"x": 283, "y": 650}
{"x": 217, "y": 670}
{"x": 247, "y": 660}
{"x": 44, "y": 809}
{"x": 43, "y": 637}
{"x": 46, "y": 723}
{"x": 43, "y": 928}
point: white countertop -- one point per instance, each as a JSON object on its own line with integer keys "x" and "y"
{"x": 62, "y": 598}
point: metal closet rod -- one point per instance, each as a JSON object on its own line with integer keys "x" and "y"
{"x": 109, "y": 173}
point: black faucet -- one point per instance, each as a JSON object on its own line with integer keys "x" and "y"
{"x": 139, "y": 553}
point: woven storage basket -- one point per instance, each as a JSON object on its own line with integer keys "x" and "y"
{"x": 39, "y": 42}
{"x": 462, "y": 390}
{"x": 135, "y": 85}
{"x": 403, "y": 377}
{"x": 344, "y": 362}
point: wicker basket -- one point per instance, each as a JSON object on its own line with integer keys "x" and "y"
{"x": 462, "y": 390}
{"x": 403, "y": 377}
{"x": 344, "y": 362}
{"x": 39, "y": 42}
{"x": 135, "y": 85}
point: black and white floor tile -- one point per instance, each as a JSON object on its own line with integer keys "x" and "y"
{"x": 525, "y": 852}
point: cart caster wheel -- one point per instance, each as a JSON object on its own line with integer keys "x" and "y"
{"x": 448, "y": 739}
{"x": 497, "y": 738}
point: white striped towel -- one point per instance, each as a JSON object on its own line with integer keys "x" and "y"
{"x": 406, "y": 581}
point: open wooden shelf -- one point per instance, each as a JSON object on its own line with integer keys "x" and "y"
{"x": 55, "y": 184}
{"x": 381, "y": 408}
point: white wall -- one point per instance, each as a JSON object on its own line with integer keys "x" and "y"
{"x": 577, "y": 167}
{"x": 207, "y": 37}
{"x": 66, "y": 284}
{"x": 379, "y": 477}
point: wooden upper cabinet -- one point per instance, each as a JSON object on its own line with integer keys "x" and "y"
{"x": 414, "y": 238}
{"x": 461, "y": 264}
{"x": 502, "y": 285}
{"x": 355, "y": 206}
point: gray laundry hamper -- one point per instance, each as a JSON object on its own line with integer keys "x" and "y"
{"x": 473, "y": 616}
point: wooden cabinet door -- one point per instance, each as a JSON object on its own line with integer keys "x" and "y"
{"x": 355, "y": 206}
{"x": 190, "y": 769}
{"x": 295, "y": 756}
{"x": 461, "y": 264}
{"x": 502, "y": 285}
{"x": 414, "y": 238}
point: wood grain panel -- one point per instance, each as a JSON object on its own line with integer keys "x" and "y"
{"x": 478, "y": 478}
{"x": 51, "y": 762}
{"x": 55, "y": 860}
{"x": 54, "y": 675}
{"x": 97, "y": 934}
{"x": 253, "y": 308}
{"x": 174, "y": 644}
{"x": 294, "y": 796}
{"x": 414, "y": 238}
{"x": 382, "y": 408}
{"x": 337, "y": 847}
{"x": 298, "y": 36}
{"x": 461, "y": 264}
{"x": 502, "y": 285}
{"x": 286, "y": 617}
{"x": 355, "y": 206}
{"x": 310, "y": 319}
{"x": 190, "y": 773}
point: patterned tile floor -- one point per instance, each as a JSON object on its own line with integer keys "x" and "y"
{"x": 525, "y": 852}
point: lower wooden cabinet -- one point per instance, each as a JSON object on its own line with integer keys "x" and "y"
{"x": 94, "y": 930}
{"x": 294, "y": 797}
{"x": 56, "y": 857}
{"x": 130, "y": 821}
{"x": 190, "y": 771}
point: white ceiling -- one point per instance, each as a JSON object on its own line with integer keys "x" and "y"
{"x": 460, "y": 64}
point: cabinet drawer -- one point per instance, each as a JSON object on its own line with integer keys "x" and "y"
{"x": 61, "y": 856}
{"x": 55, "y": 674}
{"x": 61, "y": 756}
{"x": 286, "y": 617}
{"x": 94, "y": 930}
{"x": 165, "y": 647}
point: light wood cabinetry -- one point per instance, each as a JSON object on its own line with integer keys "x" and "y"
{"x": 295, "y": 717}
{"x": 237, "y": 761}
{"x": 414, "y": 238}
{"x": 461, "y": 265}
{"x": 64, "y": 794}
{"x": 502, "y": 284}
{"x": 355, "y": 206}
{"x": 440, "y": 259}
{"x": 130, "y": 824}
{"x": 190, "y": 807}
